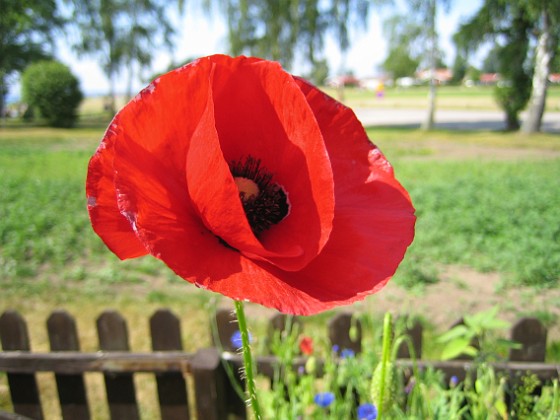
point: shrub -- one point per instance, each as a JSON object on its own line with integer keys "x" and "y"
{"x": 50, "y": 88}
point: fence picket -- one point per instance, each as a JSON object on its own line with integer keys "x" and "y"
{"x": 345, "y": 332}
{"x": 226, "y": 323}
{"x": 531, "y": 333}
{"x": 63, "y": 336}
{"x": 415, "y": 332}
{"x": 215, "y": 397}
{"x": 165, "y": 330}
{"x": 23, "y": 386}
{"x": 113, "y": 336}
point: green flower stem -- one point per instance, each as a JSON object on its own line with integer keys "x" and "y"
{"x": 247, "y": 360}
{"x": 385, "y": 358}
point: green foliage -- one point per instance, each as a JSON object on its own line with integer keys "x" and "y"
{"x": 319, "y": 73}
{"x": 122, "y": 35}
{"x": 25, "y": 29}
{"x": 510, "y": 27}
{"x": 278, "y": 30}
{"x": 477, "y": 329}
{"x": 514, "y": 91}
{"x": 51, "y": 89}
{"x": 399, "y": 63}
{"x": 427, "y": 395}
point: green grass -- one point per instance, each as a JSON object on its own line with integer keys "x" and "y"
{"x": 490, "y": 215}
{"x": 448, "y": 97}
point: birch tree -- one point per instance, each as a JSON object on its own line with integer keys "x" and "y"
{"x": 279, "y": 30}
{"x": 514, "y": 26}
{"x": 123, "y": 35}
{"x": 547, "y": 18}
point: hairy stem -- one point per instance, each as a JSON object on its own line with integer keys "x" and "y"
{"x": 385, "y": 358}
{"x": 247, "y": 360}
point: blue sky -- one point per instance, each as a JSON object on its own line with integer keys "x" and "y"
{"x": 199, "y": 36}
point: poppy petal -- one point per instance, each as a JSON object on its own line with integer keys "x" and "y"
{"x": 106, "y": 219}
{"x": 248, "y": 111}
{"x": 166, "y": 187}
{"x": 373, "y": 226}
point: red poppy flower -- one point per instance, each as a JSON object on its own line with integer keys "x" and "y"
{"x": 252, "y": 183}
{"x": 306, "y": 346}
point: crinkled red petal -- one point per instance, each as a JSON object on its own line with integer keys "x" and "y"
{"x": 258, "y": 110}
{"x": 373, "y": 226}
{"x": 106, "y": 219}
{"x": 172, "y": 182}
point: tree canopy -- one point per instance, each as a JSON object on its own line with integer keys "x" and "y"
{"x": 514, "y": 27}
{"x": 277, "y": 30}
{"x": 122, "y": 34}
{"x": 26, "y": 27}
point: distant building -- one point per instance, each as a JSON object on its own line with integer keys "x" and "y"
{"x": 489, "y": 78}
{"x": 343, "y": 80}
{"x": 406, "y": 82}
{"x": 554, "y": 78}
{"x": 374, "y": 82}
{"x": 441, "y": 76}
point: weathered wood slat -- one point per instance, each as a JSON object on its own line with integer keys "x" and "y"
{"x": 105, "y": 362}
{"x": 63, "y": 336}
{"x": 226, "y": 323}
{"x": 121, "y": 395}
{"x": 209, "y": 384}
{"x": 345, "y": 332}
{"x": 165, "y": 330}
{"x": 23, "y": 386}
{"x": 531, "y": 334}
{"x": 413, "y": 331}
{"x": 544, "y": 371}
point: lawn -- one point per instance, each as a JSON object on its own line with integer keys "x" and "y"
{"x": 448, "y": 97}
{"x": 487, "y": 201}
{"x": 494, "y": 214}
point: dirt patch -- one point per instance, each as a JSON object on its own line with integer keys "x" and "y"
{"x": 463, "y": 291}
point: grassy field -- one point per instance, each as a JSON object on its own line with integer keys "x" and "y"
{"x": 448, "y": 97}
{"x": 488, "y": 201}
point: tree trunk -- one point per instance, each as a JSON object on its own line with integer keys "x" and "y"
{"x": 512, "y": 121}
{"x": 111, "y": 105}
{"x": 537, "y": 101}
{"x": 428, "y": 123}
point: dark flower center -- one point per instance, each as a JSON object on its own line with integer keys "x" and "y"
{"x": 265, "y": 202}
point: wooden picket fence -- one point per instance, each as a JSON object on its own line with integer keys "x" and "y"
{"x": 214, "y": 396}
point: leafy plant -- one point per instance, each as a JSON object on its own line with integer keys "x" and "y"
{"x": 473, "y": 337}
{"x": 52, "y": 89}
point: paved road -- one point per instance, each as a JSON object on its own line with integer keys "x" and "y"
{"x": 454, "y": 120}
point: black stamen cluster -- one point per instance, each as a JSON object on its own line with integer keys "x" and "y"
{"x": 270, "y": 205}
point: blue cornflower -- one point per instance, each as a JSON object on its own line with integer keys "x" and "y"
{"x": 236, "y": 340}
{"x": 347, "y": 353}
{"x": 324, "y": 399}
{"x": 453, "y": 381}
{"x": 335, "y": 348}
{"x": 410, "y": 385}
{"x": 367, "y": 411}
